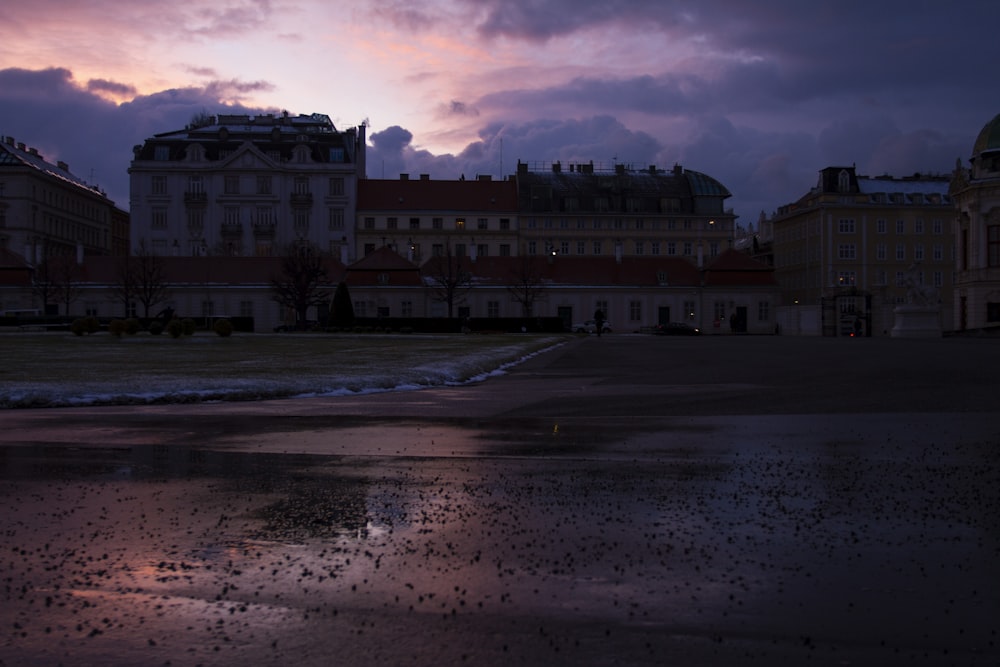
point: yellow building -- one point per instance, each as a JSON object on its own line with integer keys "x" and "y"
{"x": 845, "y": 251}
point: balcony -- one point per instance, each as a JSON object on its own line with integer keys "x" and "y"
{"x": 232, "y": 230}
{"x": 196, "y": 198}
{"x": 302, "y": 199}
{"x": 264, "y": 229}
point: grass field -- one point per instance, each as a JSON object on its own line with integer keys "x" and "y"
{"x": 56, "y": 369}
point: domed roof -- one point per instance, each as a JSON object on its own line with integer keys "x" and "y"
{"x": 989, "y": 138}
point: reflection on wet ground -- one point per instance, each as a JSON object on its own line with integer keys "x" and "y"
{"x": 698, "y": 541}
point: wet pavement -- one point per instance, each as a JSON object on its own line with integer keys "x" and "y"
{"x": 622, "y": 501}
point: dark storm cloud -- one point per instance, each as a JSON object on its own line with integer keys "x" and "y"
{"x": 113, "y": 87}
{"x": 46, "y": 109}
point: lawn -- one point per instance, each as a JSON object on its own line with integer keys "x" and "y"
{"x": 57, "y": 369}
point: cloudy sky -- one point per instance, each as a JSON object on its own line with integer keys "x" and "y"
{"x": 761, "y": 95}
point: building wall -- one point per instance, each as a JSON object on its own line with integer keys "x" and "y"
{"x": 977, "y": 237}
{"x": 247, "y": 187}
{"x": 46, "y": 211}
{"x": 834, "y": 244}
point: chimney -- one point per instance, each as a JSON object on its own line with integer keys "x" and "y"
{"x": 404, "y": 177}
{"x": 485, "y": 177}
{"x": 677, "y": 170}
{"x": 425, "y": 177}
{"x": 62, "y": 165}
{"x": 556, "y": 167}
{"x": 652, "y": 169}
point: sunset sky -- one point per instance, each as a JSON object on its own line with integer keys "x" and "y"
{"x": 761, "y": 95}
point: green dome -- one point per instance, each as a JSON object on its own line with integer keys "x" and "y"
{"x": 989, "y": 138}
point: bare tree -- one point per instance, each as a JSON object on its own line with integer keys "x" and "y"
{"x": 43, "y": 283}
{"x": 447, "y": 278}
{"x": 66, "y": 275}
{"x": 527, "y": 284}
{"x": 141, "y": 277}
{"x": 303, "y": 282}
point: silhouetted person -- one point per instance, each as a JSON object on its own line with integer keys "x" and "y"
{"x": 598, "y": 321}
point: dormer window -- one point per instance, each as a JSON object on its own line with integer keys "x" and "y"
{"x": 843, "y": 181}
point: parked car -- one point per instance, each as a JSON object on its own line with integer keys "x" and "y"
{"x": 590, "y": 326}
{"x": 676, "y": 329}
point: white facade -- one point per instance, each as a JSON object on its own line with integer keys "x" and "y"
{"x": 976, "y": 192}
{"x": 247, "y": 186}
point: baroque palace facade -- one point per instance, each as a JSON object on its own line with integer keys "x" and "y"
{"x": 221, "y": 199}
{"x": 976, "y": 192}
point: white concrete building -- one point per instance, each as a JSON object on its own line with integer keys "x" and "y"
{"x": 247, "y": 186}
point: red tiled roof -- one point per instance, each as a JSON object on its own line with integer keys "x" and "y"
{"x": 383, "y": 267}
{"x": 216, "y": 270}
{"x": 429, "y": 195}
{"x": 632, "y": 271}
{"x": 735, "y": 268}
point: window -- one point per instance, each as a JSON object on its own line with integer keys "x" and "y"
{"x": 369, "y": 222}
{"x": 246, "y": 308}
{"x": 437, "y": 223}
{"x": 635, "y": 311}
{"x": 846, "y": 278}
{"x": 161, "y": 153}
{"x": 881, "y": 252}
{"x": 719, "y": 310}
{"x": 336, "y": 186}
{"x": 336, "y": 155}
{"x": 504, "y": 224}
{"x": 482, "y": 223}
{"x": 414, "y": 223}
{"x": 492, "y": 309}
{"x": 900, "y": 251}
{"x": 881, "y": 278}
{"x": 361, "y": 308}
{"x": 505, "y": 250}
{"x": 900, "y": 226}
{"x": 689, "y": 310}
{"x": 639, "y": 247}
{"x": 763, "y": 311}
{"x": 231, "y": 184}
{"x": 336, "y": 219}
{"x": 993, "y": 311}
{"x": 265, "y": 217}
{"x": 688, "y": 249}
{"x": 263, "y": 184}
{"x": 482, "y": 249}
{"x": 846, "y": 226}
{"x": 880, "y": 226}
{"x": 532, "y": 248}
{"x": 581, "y": 247}
{"x": 437, "y": 250}
{"x": 918, "y": 226}
{"x": 301, "y": 185}
{"x": 993, "y": 245}
{"x": 655, "y": 248}
{"x": 564, "y": 247}
{"x": 937, "y": 227}
{"x": 391, "y": 223}
{"x": 159, "y": 185}
{"x": 159, "y": 218}
{"x": 937, "y": 252}
{"x": 597, "y": 247}
{"x": 938, "y": 279}
{"x": 846, "y": 251}
{"x": 671, "y": 248}
{"x": 713, "y": 248}
{"x": 918, "y": 252}
{"x": 300, "y": 219}
{"x": 406, "y": 308}
{"x": 207, "y": 308}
